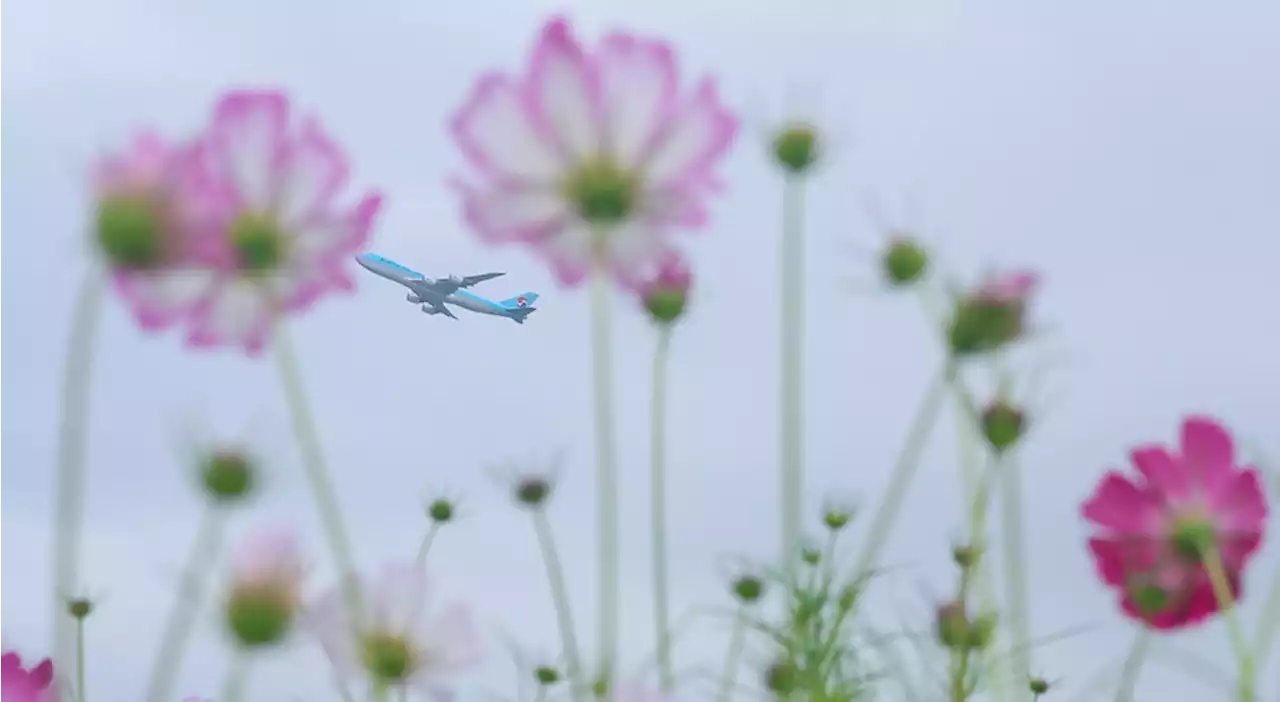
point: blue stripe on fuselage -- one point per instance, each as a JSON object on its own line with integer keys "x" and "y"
{"x": 475, "y": 303}
{"x": 376, "y": 259}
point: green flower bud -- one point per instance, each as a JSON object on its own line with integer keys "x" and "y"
{"x": 796, "y": 148}
{"x": 1002, "y": 425}
{"x": 781, "y": 679}
{"x": 546, "y": 675}
{"x": 953, "y": 625}
{"x": 905, "y": 262}
{"x": 80, "y": 607}
{"x": 1038, "y": 686}
{"x": 748, "y": 588}
{"x": 982, "y": 631}
{"x": 837, "y": 519}
{"x": 229, "y": 475}
{"x": 532, "y": 490}
{"x": 966, "y": 556}
{"x": 440, "y": 510}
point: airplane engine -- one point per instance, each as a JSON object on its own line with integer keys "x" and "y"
{"x": 413, "y": 297}
{"x": 428, "y": 309}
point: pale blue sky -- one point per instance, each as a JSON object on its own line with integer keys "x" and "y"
{"x": 1131, "y": 153}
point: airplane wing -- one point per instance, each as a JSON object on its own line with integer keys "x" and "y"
{"x": 474, "y": 279}
{"x": 438, "y": 307}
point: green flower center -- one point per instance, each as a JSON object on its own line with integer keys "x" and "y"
{"x": 604, "y": 193}
{"x": 259, "y": 616}
{"x": 259, "y": 242}
{"x": 389, "y": 659}
{"x": 131, "y": 231}
{"x": 1193, "y": 538}
{"x": 1149, "y": 599}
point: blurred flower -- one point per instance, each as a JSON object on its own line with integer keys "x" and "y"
{"x": 264, "y": 595}
{"x": 592, "y": 155}
{"x": 667, "y": 290}
{"x": 993, "y": 315}
{"x": 1003, "y": 424}
{"x": 27, "y": 685}
{"x": 272, "y": 234}
{"x": 392, "y": 641}
{"x": 1158, "y": 526}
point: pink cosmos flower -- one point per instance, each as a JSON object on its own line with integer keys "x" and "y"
{"x": 394, "y": 642}
{"x": 264, "y": 594}
{"x": 666, "y": 291}
{"x": 277, "y": 237}
{"x": 23, "y": 685}
{"x": 1157, "y": 525}
{"x": 992, "y": 316}
{"x": 592, "y": 154}
{"x": 145, "y": 219}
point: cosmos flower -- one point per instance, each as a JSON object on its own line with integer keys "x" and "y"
{"x": 593, "y": 154}
{"x": 394, "y": 643}
{"x": 145, "y": 228}
{"x": 666, "y": 291}
{"x": 26, "y": 685}
{"x": 272, "y": 235}
{"x": 264, "y": 595}
{"x": 1158, "y": 526}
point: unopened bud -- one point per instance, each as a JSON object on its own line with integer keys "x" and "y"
{"x": 991, "y": 317}
{"x": 748, "y": 588}
{"x": 796, "y": 148}
{"x": 79, "y": 607}
{"x": 982, "y": 631}
{"x": 546, "y": 675}
{"x": 953, "y": 625}
{"x": 532, "y": 490}
{"x": 666, "y": 294}
{"x": 811, "y": 556}
{"x": 848, "y": 597}
{"x": 440, "y": 510}
{"x": 905, "y": 262}
{"x": 1002, "y": 424}
{"x": 264, "y": 594}
{"x": 965, "y": 556}
{"x": 781, "y": 679}
{"x": 1038, "y": 686}
{"x": 228, "y": 475}
{"x": 837, "y": 519}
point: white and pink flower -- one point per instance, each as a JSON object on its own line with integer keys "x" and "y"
{"x": 592, "y": 155}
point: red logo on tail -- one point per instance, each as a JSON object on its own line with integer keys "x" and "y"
{"x": 522, "y": 301}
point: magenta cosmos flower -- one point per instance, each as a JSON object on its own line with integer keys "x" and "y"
{"x": 395, "y": 642}
{"x": 592, "y": 155}
{"x": 1158, "y": 525}
{"x": 27, "y": 685}
{"x": 264, "y": 231}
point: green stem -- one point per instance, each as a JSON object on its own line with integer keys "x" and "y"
{"x": 233, "y": 685}
{"x": 73, "y": 432}
{"x": 425, "y": 547}
{"x": 606, "y": 465}
{"x": 1268, "y": 623}
{"x": 903, "y": 472}
{"x": 560, "y": 599}
{"x": 791, "y": 356}
{"x": 1227, "y": 605}
{"x": 960, "y": 656}
{"x": 1015, "y": 569}
{"x": 658, "y": 506}
{"x": 80, "y": 688}
{"x": 737, "y": 642}
{"x": 1132, "y": 665}
{"x": 317, "y": 474}
{"x": 178, "y": 627}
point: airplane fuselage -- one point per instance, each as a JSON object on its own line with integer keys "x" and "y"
{"x": 475, "y": 303}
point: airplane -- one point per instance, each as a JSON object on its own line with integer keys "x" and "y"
{"x": 434, "y": 293}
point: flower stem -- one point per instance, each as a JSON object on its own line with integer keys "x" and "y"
{"x": 1227, "y": 604}
{"x": 1015, "y": 568}
{"x": 737, "y": 641}
{"x": 425, "y": 547}
{"x": 606, "y": 466}
{"x": 1132, "y": 665}
{"x": 791, "y": 357}
{"x": 903, "y": 471}
{"x": 73, "y": 431}
{"x": 1268, "y": 622}
{"x": 658, "y": 505}
{"x": 317, "y": 474}
{"x": 80, "y": 691}
{"x": 177, "y": 630}
{"x": 237, "y": 676}
{"x": 560, "y": 599}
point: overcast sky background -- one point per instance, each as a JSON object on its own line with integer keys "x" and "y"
{"x": 1130, "y": 151}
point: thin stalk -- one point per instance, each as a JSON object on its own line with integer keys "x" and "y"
{"x": 73, "y": 433}
{"x": 737, "y": 642}
{"x": 658, "y": 507}
{"x": 317, "y": 474}
{"x": 1268, "y": 622}
{"x": 960, "y": 656}
{"x": 607, "y": 468}
{"x": 1227, "y": 605}
{"x": 425, "y": 547}
{"x": 791, "y": 357}
{"x": 176, "y": 634}
{"x": 560, "y": 599}
{"x": 80, "y": 691}
{"x": 233, "y": 685}
{"x": 1132, "y": 665}
{"x": 1015, "y": 568}
{"x": 903, "y": 472}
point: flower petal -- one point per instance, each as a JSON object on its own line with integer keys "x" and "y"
{"x": 1116, "y": 558}
{"x": 635, "y": 248}
{"x": 248, "y": 144}
{"x": 266, "y": 556}
{"x": 496, "y": 132}
{"x": 331, "y": 236}
{"x": 514, "y": 212}
{"x": 570, "y": 252}
{"x": 1240, "y": 503}
{"x": 454, "y": 640}
{"x": 237, "y": 314}
{"x": 1165, "y": 473}
{"x": 695, "y": 137}
{"x": 160, "y": 298}
{"x": 1208, "y": 451}
{"x": 566, "y": 91}
{"x": 313, "y": 172}
{"x": 680, "y": 206}
{"x": 638, "y": 83}
{"x": 399, "y": 595}
{"x": 1119, "y": 505}
{"x": 327, "y": 619}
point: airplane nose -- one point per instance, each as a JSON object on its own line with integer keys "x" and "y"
{"x": 364, "y": 261}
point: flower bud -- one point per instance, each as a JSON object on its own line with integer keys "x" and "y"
{"x": 264, "y": 593}
{"x": 781, "y": 679}
{"x": 796, "y": 148}
{"x": 748, "y": 588}
{"x": 835, "y": 518}
{"x": 532, "y": 490}
{"x": 905, "y": 262}
{"x": 665, "y": 294}
{"x": 79, "y": 607}
{"x": 228, "y": 474}
{"x": 546, "y": 675}
{"x": 993, "y": 316}
{"x": 1038, "y": 686}
{"x": 441, "y": 510}
{"x": 1002, "y": 424}
{"x": 982, "y": 631}
{"x": 953, "y": 625}
{"x": 811, "y": 556}
{"x": 848, "y": 597}
{"x": 966, "y": 556}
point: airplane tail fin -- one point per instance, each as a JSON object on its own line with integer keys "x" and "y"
{"x": 520, "y": 313}
{"x": 520, "y": 301}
